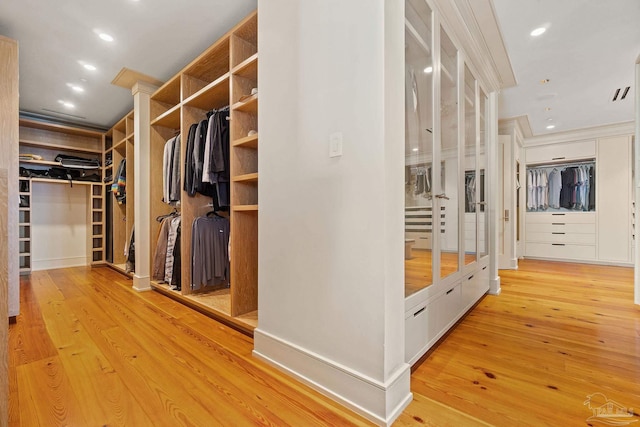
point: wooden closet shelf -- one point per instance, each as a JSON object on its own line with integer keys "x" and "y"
{"x": 213, "y": 95}
{"x": 120, "y": 144}
{"x": 40, "y": 162}
{"x": 245, "y": 208}
{"x": 248, "y": 177}
{"x": 39, "y": 144}
{"x": 24, "y": 239}
{"x": 24, "y": 224}
{"x": 169, "y": 119}
{"x": 72, "y": 130}
{"x": 63, "y": 181}
{"x": 250, "y": 141}
{"x": 247, "y": 68}
{"x": 249, "y": 105}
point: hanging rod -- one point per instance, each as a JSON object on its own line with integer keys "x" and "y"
{"x": 562, "y": 163}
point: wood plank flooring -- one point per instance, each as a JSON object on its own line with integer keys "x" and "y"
{"x": 87, "y": 350}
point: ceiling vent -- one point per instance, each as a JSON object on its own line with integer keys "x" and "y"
{"x": 620, "y": 94}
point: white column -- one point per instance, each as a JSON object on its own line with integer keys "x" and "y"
{"x": 494, "y": 220}
{"x": 142, "y": 183}
{"x": 331, "y": 229}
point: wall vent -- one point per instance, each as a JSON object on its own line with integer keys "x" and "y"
{"x": 620, "y": 94}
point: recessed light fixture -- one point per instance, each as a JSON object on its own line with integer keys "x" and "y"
{"x": 544, "y": 81}
{"x": 547, "y": 108}
{"x": 551, "y": 126}
{"x": 89, "y": 67}
{"x": 66, "y": 103}
{"x": 75, "y": 88}
{"x": 414, "y": 149}
{"x": 106, "y": 37}
{"x": 428, "y": 70}
{"x": 538, "y": 31}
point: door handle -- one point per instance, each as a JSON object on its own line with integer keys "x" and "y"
{"x": 442, "y": 196}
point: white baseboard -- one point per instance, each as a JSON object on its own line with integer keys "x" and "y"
{"x": 379, "y": 402}
{"x": 49, "y": 264}
{"x": 141, "y": 283}
{"x": 494, "y": 286}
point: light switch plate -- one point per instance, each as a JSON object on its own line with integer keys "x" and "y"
{"x": 335, "y": 144}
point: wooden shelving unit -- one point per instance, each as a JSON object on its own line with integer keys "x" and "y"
{"x": 219, "y": 77}
{"x": 118, "y": 146}
{"x": 48, "y": 140}
{"x": 24, "y": 225}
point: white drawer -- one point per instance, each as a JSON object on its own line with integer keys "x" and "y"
{"x": 450, "y": 304}
{"x": 561, "y": 152}
{"x": 561, "y": 227}
{"x": 563, "y": 217}
{"x": 561, "y": 237}
{"x": 421, "y": 326}
{"x": 560, "y": 251}
{"x": 423, "y": 240}
{"x": 474, "y": 286}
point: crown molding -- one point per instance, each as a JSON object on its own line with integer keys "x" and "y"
{"x": 614, "y": 129}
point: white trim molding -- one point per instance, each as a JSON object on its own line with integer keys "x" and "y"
{"x": 379, "y": 402}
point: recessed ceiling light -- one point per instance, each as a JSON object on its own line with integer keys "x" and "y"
{"x": 551, "y": 126}
{"x": 428, "y": 70}
{"x": 414, "y": 149}
{"x": 66, "y": 104}
{"x": 544, "y": 81}
{"x": 547, "y": 108}
{"x": 89, "y": 67}
{"x": 106, "y": 37}
{"x": 75, "y": 88}
{"x": 538, "y": 31}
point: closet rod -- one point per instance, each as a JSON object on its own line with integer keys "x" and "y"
{"x": 560, "y": 164}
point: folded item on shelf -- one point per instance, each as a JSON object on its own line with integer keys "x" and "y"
{"x": 27, "y": 156}
{"x": 69, "y": 161}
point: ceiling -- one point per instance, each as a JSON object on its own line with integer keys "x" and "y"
{"x": 154, "y": 37}
{"x": 588, "y": 51}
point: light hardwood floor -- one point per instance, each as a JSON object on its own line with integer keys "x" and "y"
{"x": 89, "y": 351}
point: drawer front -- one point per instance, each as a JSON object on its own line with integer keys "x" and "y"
{"x": 560, "y": 152}
{"x": 420, "y": 328}
{"x": 474, "y": 286}
{"x": 560, "y": 250}
{"x": 423, "y": 240}
{"x": 562, "y": 237}
{"x": 561, "y": 227}
{"x": 565, "y": 217}
{"x": 450, "y": 305}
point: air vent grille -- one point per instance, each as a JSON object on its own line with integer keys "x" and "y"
{"x": 620, "y": 94}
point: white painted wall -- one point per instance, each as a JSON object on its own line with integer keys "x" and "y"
{"x": 331, "y": 230}
{"x": 58, "y": 225}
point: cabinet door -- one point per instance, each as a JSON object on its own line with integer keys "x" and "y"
{"x": 613, "y": 199}
{"x": 420, "y": 222}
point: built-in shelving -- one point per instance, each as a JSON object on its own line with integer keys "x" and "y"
{"x": 222, "y": 76}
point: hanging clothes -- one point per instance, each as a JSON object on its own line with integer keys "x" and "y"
{"x": 216, "y": 157}
{"x": 570, "y": 186}
{"x": 119, "y": 186}
{"x": 171, "y": 171}
{"x": 130, "y": 253}
{"x": 167, "y": 257}
{"x": 210, "y": 252}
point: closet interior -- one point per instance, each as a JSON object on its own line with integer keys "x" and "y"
{"x": 204, "y": 156}
{"x": 68, "y": 158}
{"x": 119, "y": 190}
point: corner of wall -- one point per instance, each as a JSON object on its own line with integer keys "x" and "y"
{"x": 379, "y": 402}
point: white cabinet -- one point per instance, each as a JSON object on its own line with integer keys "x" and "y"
{"x": 603, "y": 235}
{"x": 614, "y": 185}
{"x": 561, "y": 152}
{"x": 567, "y": 235}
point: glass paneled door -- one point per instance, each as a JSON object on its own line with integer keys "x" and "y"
{"x": 448, "y": 193}
{"x": 420, "y": 220}
{"x": 471, "y": 179}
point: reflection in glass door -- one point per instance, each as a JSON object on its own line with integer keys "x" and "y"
{"x": 448, "y": 192}
{"x": 483, "y": 220}
{"x": 420, "y": 225}
{"x": 471, "y": 181}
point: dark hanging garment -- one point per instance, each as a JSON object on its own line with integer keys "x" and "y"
{"x": 176, "y": 276}
{"x": 189, "y": 166}
{"x": 592, "y": 188}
